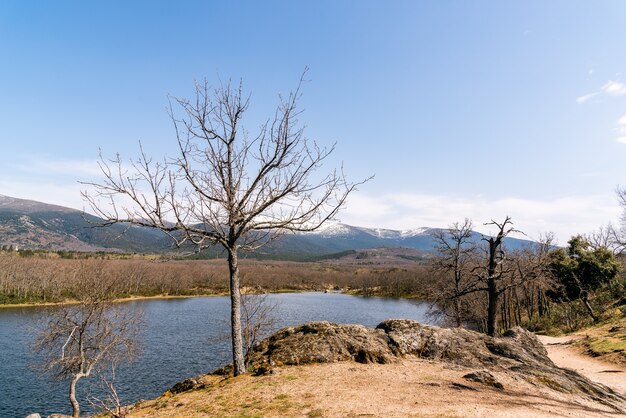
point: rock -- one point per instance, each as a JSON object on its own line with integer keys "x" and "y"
{"x": 34, "y": 416}
{"x": 484, "y": 377}
{"x": 322, "y": 342}
{"x": 59, "y": 416}
{"x": 187, "y": 385}
{"x": 463, "y": 347}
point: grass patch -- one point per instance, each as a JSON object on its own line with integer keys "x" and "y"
{"x": 601, "y": 346}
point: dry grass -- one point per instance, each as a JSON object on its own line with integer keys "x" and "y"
{"x": 44, "y": 278}
{"x": 607, "y": 342}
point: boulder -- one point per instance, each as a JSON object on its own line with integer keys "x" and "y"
{"x": 322, "y": 342}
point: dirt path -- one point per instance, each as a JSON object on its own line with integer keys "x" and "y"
{"x": 563, "y": 354}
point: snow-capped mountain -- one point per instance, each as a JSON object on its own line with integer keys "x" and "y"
{"x": 337, "y": 229}
{"x": 27, "y": 224}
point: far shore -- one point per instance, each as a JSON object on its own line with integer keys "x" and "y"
{"x": 128, "y": 299}
{"x": 135, "y": 298}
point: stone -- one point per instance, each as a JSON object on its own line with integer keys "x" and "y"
{"x": 484, "y": 377}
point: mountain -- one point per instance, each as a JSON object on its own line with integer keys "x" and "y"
{"x": 34, "y": 225}
{"x": 336, "y": 237}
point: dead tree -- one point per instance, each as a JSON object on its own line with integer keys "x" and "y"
{"x": 495, "y": 271}
{"x": 489, "y": 277}
{"x": 224, "y": 187}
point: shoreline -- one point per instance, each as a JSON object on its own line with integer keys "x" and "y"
{"x": 137, "y": 298}
{"x": 118, "y": 300}
{"x": 346, "y": 291}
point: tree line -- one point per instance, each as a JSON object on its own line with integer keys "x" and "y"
{"x": 490, "y": 288}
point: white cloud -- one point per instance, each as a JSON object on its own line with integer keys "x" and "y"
{"x": 586, "y": 97}
{"x": 610, "y": 88}
{"x": 621, "y": 139}
{"x": 622, "y": 121}
{"x": 564, "y": 216}
{"x": 614, "y": 88}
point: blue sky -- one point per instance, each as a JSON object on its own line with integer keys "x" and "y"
{"x": 461, "y": 109}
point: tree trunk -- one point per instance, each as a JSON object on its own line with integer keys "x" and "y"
{"x": 457, "y": 312}
{"x": 73, "y": 400}
{"x": 492, "y": 307}
{"x": 492, "y": 289}
{"x": 239, "y": 366}
{"x": 585, "y": 299}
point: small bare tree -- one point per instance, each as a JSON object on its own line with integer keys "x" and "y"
{"x": 77, "y": 339}
{"x": 259, "y": 318}
{"x": 111, "y": 402}
{"x": 456, "y": 257}
{"x": 224, "y": 187}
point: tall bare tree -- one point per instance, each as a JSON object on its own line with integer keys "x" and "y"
{"x": 225, "y": 187}
{"x": 490, "y": 276}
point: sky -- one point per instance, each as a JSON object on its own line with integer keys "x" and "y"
{"x": 460, "y": 109}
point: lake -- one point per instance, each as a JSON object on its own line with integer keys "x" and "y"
{"x": 180, "y": 338}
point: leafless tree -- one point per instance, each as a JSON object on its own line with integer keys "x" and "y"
{"x": 225, "y": 187}
{"x": 77, "y": 339}
{"x": 490, "y": 276}
{"x": 495, "y": 270}
{"x": 259, "y": 318}
{"x": 607, "y": 237}
{"x": 111, "y": 402}
{"x": 456, "y": 254}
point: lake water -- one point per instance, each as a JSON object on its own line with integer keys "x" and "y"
{"x": 180, "y": 338}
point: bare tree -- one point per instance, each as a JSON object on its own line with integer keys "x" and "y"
{"x": 490, "y": 276}
{"x": 259, "y": 318}
{"x": 455, "y": 259}
{"x": 224, "y": 187}
{"x": 111, "y": 402}
{"x": 77, "y": 339}
{"x": 495, "y": 270}
{"x": 607, "y": 237}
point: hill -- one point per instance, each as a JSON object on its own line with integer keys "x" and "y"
{"x": 35, "y": 225}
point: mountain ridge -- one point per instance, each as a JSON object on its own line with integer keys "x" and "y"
{"x": 30, "y": 224}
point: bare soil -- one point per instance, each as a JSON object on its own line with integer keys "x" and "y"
{"x": 568, "y": 352}
{"x": 407, "y": 388}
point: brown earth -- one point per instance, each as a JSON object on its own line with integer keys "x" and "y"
{"x": 399, "y": 369}
{"x": 408, "y": 388}
{"x": 566, "y": 352}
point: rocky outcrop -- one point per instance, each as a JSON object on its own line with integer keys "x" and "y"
{"x": 517, "y": 352}
{"x": 323, "y": 342}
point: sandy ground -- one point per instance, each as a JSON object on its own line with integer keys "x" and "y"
{"x": 563, "y": 354}
{"x": 408, "y": 388}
